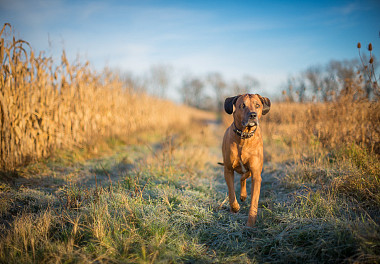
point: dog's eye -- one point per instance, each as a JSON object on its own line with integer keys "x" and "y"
{"x": 243, "y": 105}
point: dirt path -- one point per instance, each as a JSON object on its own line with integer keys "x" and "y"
{"x": 109, "y": 170}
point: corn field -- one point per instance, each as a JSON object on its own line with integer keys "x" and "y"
{"x": 46, "y": 106}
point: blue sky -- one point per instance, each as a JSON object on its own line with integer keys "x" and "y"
{"x": 266, "y": 39}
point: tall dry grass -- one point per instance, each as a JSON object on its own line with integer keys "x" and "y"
{"x": 333, "y": 124}
{"x": 44, "y": 106}
{"x": 334, "y": 144}
{"x": 352, "y": 117}
{"x": 347, "y": 120}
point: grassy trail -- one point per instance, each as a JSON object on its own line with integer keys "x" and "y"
{"x": 164, "y": 200}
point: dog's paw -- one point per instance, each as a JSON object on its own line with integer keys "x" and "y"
{"x": 251, "y": 221}
{"x": 235, "y": 207}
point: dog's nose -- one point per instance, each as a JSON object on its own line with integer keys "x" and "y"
{"x": 252, "y": 115}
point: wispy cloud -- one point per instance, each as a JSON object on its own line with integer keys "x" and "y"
{"x": 34, "y": 13}
{"x": 348, "y": 8}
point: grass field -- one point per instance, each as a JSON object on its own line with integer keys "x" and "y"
{"x": 93, "y": 172}
{"x": 162, "y": 198}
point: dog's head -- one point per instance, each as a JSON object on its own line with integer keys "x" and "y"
{"x": 248, "y": 108}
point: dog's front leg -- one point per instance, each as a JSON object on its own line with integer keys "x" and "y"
{"x": 243, "y": 184}
{"x": 255, "y": 193}
{"x": 229, "y": 177}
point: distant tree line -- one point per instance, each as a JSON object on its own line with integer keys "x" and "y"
{"x": 209, "y": 92}
{"x": 329, "y": 82}
{"x": 318, "y": 83}
{"x": 204, "y": 92}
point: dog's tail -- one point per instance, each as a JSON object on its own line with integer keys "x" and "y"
{"x": 221, "y": 163}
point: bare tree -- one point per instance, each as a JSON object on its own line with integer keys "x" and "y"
{"x": 328, "y": 82}
{"x": 247, "y": 84}
{"x": 345, "y": 73}
{"x": 192, "y": 92}
{"x": 300, "y": 89}
{"x": 133, "y": 82}
{"x": 219, "y": 86}
{"x": 159, "y": 79}
{"x": 250, "y": 83}
{"x": 288, "y": 92}
{"x": 333, "y": 79}
{"x": 315, "y": 78}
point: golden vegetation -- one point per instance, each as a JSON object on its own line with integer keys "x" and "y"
{"x": 349, "y": 115}
{"x": 165, "y": 201}
{"x": 331, "y": 125}
{"x": 45, "y": 107}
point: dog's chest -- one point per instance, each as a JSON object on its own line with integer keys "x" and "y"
{"x": 240, "y": 167}
{"x": 242, "y": 160}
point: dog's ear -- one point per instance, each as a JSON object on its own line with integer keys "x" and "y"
{"x": 229, "y": 104}
{"x": 266, "y": 104}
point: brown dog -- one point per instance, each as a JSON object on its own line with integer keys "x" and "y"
{"x": 243, "y": 148}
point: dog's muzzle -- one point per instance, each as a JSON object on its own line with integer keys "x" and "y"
{"x": 250, "y": 120}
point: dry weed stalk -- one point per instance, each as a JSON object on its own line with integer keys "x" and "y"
{"x": 369, "y": 70}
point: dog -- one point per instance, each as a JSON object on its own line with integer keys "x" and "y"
{"x": 243, "y": 148}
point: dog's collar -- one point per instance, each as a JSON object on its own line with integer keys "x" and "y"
{"x": 244, "y": 135}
